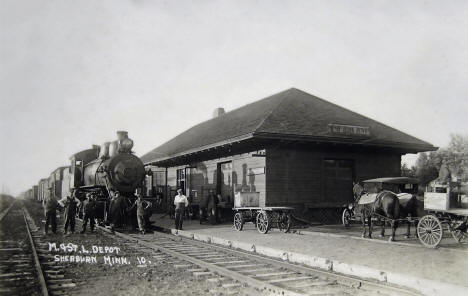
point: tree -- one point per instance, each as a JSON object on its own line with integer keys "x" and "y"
{"x": 427, "y": 167}
{"x": 454, "y": 156}
{"x": 408, "y": 172}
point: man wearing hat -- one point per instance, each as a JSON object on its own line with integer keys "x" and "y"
{"x": 180, "y": 202}
{"x": 71, "y": 203}
{"x": 141, "y": 205}
{"x": 89, "y": 207}
{"x": 116, "y": 209}
{"x": 50, "y": 208}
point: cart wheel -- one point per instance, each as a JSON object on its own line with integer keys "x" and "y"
{"x": 430, "y": 231}
{"x": 460, "y": 235}
{"x": 284, "y": 222}
{"x": 263, "y": 224}
{"x": 238, "y": 221}
{"x": 346, "y": 217}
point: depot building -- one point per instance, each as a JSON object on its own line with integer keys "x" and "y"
{"x": 292, "y": 148}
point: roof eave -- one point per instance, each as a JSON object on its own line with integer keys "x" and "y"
{"x": 406, "y": 147}
{"x": 199, "y": 149}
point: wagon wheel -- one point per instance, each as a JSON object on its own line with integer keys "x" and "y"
{"x": 346, "y": 217}
{"x": 238, "y": 221}
{"x": 460, "y": 234}
{"x": 284, "y": 222}
{"x": 263, "y": 223}
{"x": 430, "y": 231}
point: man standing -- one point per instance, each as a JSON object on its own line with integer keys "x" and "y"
{"x": 141, "y": 205}
{"x": 180, "y": 202}
{"x": 89, "y": 207}
{"x": 71, "y": 204}
{"x": 117, "y": 208}
{"x": 213, "y": 208}
{"x": 50, "y": 207}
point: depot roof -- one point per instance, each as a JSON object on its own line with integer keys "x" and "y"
{"x": 291, "y": 114}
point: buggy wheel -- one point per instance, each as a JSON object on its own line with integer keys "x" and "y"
{"x": 460, "y": 235}
{"x": 430, "y": 231}
{"x": 238, "y": 221}
{"x": 284, "y": 222}
{"x": 346, "y": 217}
{"x": 263, "y": 223}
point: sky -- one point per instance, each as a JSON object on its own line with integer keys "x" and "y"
{"x": 72, "y": 73}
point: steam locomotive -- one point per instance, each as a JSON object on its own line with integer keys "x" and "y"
{"x": 102, "y": 169}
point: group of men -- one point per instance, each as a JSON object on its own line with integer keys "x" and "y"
{"x": 208, "y": 208}
{"x": 118, "y": 208}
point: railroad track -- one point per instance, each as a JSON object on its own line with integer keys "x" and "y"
{"x": 232, "y": 272}
{"x": 243, "y": 273}
{"x": 5, "y": 211}
{"x": 25, "y": 268}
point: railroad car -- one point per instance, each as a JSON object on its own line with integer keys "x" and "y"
{"x": 35, "y": 192}
{"x": 43, "y": 186}
{"x": 56, "y": 180}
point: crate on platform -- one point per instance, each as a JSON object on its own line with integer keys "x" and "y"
{"x": 436, "y": 201}
{"x": 246, "y": 199}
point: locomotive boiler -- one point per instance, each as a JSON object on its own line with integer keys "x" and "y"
{"x": 109, "y": 167}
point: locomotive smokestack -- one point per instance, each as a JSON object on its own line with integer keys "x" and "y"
{"x": 123, "y": 142}
{"x": 122, "y": 135}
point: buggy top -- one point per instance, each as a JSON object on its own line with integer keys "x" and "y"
{"x": 393, "y": 180}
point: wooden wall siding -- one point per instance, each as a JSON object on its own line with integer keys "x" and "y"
{"x": 295, "y": 175}
{"x": 201, "y": 177}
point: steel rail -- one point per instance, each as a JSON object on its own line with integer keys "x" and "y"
{"x": 213, "y": 267}
{"x": 345, "y": 280}
{"x": 352, "y": 281}
{"x": 40, "y": 274}
{"x": 5, "y": 212}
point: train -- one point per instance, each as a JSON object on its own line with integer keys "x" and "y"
{"x": 111, "y": 166}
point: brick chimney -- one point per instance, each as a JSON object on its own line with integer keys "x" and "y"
{"x": 218, "y": 112}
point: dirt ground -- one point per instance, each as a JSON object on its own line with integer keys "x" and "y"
{"x": 156, "y": 278}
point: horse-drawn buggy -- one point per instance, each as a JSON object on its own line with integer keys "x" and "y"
{"x": 447, "y": 208}
{"x": 391, "y": 199}
{"x": 247, "y": 209}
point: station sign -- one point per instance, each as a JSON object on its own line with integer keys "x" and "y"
{"x": 349, "y": 130}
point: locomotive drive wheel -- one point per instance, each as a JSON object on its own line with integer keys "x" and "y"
{"x": 238, "y": 221}
{"x": 346, "y": 217}
{"x": 284, "y": 222}
{"x": 263, "y": 224}
{"x": 430, "y": 231}
{"x": 460, "y": 235}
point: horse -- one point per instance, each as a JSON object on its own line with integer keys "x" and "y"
{"x": 409, "y": 209}
{"x": 386, "y": 204}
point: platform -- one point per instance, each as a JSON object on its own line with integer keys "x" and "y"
{"x": 441, "y": 271}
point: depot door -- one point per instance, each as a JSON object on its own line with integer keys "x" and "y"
{"x": 338, "y": 183}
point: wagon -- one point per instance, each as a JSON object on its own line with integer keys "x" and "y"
{"x": 447, "y": 211}
{"x": 247, "y": 209}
